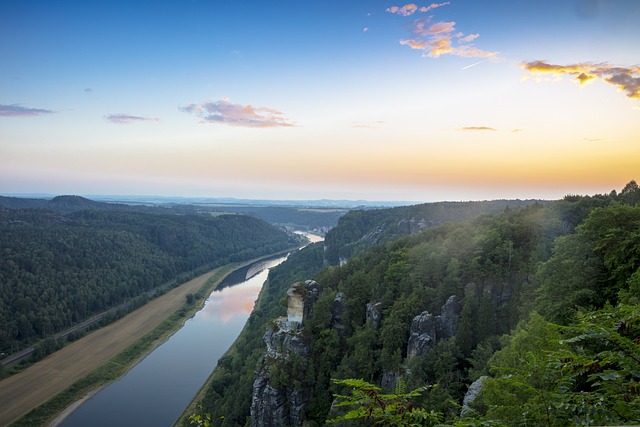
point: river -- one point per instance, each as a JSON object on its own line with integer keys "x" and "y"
{"x": 156, "y": 391}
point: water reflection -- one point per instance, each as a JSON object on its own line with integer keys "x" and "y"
{"x": 155, "y": 392}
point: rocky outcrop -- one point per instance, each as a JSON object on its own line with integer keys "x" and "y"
{"x": 284, "y": 340}
{"x": 413, "y": 225}
{"x": 295, "y": 303}
{"x": 427, "y": 329}
{"x": 389, "y": 380}
{"x": 338, "y": 310}
{"x": 276, "y": 407}
{"x": 300, "y": 299}
{"x": 471, "y": 396}
{"x": 374, "y": 314}
{"x": 276, "y": 402}
{"x": 447, "y": 322}
{"x": 422, "y": 334}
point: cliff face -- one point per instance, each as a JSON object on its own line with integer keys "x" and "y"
{"x": 276, "y": 400}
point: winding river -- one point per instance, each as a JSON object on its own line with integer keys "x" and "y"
{"x": 156, "y": 391}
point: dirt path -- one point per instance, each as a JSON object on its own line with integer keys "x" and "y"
{"x": 24, "y": 391}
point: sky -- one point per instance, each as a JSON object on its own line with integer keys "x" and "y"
{"x": 349, "y": 99}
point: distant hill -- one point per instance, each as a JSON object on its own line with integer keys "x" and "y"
{"x": 359, "y": 230}
{"x": 293, "y": 215}
{"x": 60, "y": 204}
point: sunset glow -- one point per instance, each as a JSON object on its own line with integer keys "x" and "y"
{"x": 377, "y": 100}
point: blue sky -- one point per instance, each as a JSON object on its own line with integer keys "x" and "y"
{"x": 371, "y": 99}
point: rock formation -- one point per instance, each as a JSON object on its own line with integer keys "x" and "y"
{"x": 274, "y": 403}
{"x": 447, "y": 322}
{"x": 426, "y": 329}
{"x": 374, "y": 314}
{"x": 471, "y": 395}
{"x": 338, "y": 311}
{"x": 422, "y": 334}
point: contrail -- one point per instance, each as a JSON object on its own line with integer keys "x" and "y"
{"x": 473, "y": 65}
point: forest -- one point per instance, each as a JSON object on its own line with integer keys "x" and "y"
{"x": 546, "y": 330}
{"x": 58, "y": 269}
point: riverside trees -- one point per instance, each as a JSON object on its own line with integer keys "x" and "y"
{"x": 59, "y": 269}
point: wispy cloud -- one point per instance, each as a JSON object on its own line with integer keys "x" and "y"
{"x": 478, "y": 129}
{"x": 437, "y": 38}
{"x": 411, "y": 8}
{"x": 372, "y": 125}
{"x": 626, "y": 79}
{"x": 225, "y": 112}
{"x": 127, "y": 119}
{"x": 17, "y": 110}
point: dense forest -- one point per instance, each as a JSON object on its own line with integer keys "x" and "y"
{"x": 306, "y": 218}
{"x": 60, "y": 268}
{"x": 359, "y": 230}
{"x": 535, "y": 308}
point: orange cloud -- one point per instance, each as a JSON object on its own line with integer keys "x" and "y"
{"x": 626, "y": 79}
{"x": 414, "y": 44}
{"x": 411, "y": 8}
{"x": 438, "y": 39}
{"x": 225, "y": 112}
{"x": 440, "y": 47}
{"x": 477, "y": 129}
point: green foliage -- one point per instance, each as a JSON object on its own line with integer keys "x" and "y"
{"x": 584, "y": 374}
{"x": 500, "y": 266}
{"x": 372, "y": 406}
{"x": 200, "y": 419}
{"x": 359, "y": 230}
{"x": 592, "y": 266}
{"x": 57, "y": 270}
{"x": 601, "y": 367}
{"x": 522, "y": 388}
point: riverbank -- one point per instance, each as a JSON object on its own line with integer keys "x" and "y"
{"x": 193, "y": 406}
{"x": 53, "y": 384}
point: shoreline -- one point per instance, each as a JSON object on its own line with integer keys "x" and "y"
{"x": 190, "y": 408}
{"x": 75, "y": 405}
{"x": 37, "y": 395}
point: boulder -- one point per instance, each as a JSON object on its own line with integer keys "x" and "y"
{"x": 471, "y": 395}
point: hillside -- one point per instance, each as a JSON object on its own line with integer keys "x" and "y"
{"x": 58, "y": 269}
{"x": 360, "y": 230}
{"x": 431, "y": 308}
{"x": 295, "y": 216}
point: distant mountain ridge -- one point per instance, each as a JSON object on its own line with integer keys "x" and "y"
{"x": 359, "y": 230}
{"x": 65, "y": 203}
{"x": 169, "y": 200}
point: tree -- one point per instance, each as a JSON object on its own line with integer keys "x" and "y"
{"x": 369, "y": 404}
{"x": 584, "y": 374}
{"x": 521, "y": 390}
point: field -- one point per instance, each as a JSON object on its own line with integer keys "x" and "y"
{"x": 32, "y": 387}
